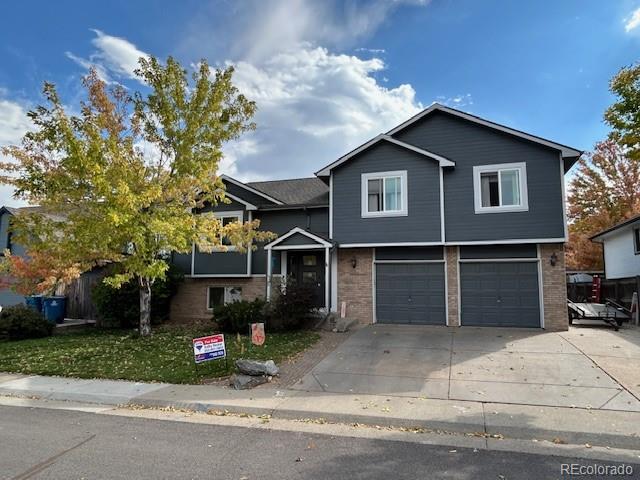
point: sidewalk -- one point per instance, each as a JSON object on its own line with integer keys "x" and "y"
{"x": 616, "y": 429}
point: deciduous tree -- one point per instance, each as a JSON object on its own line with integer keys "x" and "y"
{"x": 127, "y": 175}
{"x": 605, "y": 189}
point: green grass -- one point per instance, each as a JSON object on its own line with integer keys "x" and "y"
{"x": 165, "y": 356}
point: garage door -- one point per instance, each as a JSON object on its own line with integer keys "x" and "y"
{"x": 499, "y": 294}
{"x": 410, "y": 293}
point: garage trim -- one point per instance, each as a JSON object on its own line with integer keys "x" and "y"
{"x": 541, "y": 285}
{"x": 536, "y": 259}
{"x": 443, "y": 261}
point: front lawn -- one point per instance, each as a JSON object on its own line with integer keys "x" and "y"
{"x": 165, "y": 356}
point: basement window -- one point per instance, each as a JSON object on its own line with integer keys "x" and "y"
{"x": 217, "y": 296}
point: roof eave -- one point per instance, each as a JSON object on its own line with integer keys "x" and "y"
{"x": 566, "y": 150}
{"x": 443, "y": 161}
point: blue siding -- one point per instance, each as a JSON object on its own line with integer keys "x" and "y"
{"x": 278, "y": 221}
{"x": 422, "y": 224}
{"x": 9, "y": 297}
{"x": 297, "y": 239}
{"x": 529, "y": 250}
{"x": 315, "y": 220}
{"x": 409, "y": 253}
{"x": 469, "y": 144}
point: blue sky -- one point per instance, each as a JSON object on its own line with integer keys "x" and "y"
{"x": 328, "y": 75}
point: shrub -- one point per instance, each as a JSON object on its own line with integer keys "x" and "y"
{"x": 120, "y": 307}
{"x": 19, "y": 322}
{"x": 235, "y": 317}
{"x": 291, "y": 307}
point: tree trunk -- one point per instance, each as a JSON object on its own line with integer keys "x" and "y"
{"x": 145, "y": 306}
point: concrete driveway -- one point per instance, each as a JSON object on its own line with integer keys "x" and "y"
{"x": 584, "y": 368}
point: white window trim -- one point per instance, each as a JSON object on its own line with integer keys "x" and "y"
{"x": 239, "y": 214}
{"x": 477, "y": 191}
{"x": 634, "y": 232}
{"x": 226, "y": 297}
{"x": 364, "y": 201}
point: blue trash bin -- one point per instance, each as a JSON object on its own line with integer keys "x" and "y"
{"x": 34, "y": 301}
{"x": 54, "y": 308}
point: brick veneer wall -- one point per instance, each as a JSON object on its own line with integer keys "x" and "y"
{"x": 554, "y": 287}
{"x": 451, "y": 257}
{"x": 355, "y": 284}
{"x": 189, "y": 305}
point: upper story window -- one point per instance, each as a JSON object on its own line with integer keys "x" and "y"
{"x": 500, "y": 188}
{"x": 636, "y": 241}
{"x": 226, "y": 218}
{"x": 384, "y": 194}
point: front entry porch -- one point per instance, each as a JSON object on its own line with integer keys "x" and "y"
{"x": 306, "y": 258}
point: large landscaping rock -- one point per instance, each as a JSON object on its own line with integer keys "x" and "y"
{"x": 344, "y": 324}
{"x": 244, "y": 382}
{"x": 257, "y": 367}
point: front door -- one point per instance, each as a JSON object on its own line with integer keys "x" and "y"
{"x": 307, "y": 268}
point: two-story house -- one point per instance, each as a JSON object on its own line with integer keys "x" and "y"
{"x": 447, "y": 219}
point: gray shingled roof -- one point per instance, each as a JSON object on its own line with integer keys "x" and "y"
{"x": 296, "y": 191}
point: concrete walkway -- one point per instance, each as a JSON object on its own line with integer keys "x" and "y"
{"x": 579, "y": 387}
{"x": 592, "y": 368}
{"x": 609, "y": 428}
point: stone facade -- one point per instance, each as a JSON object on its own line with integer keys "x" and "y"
{"x": 355, "y": 285}
{"x": 554, "y": 287}
{"x": 189, "y": 305}
{"x": 451, "y": 257}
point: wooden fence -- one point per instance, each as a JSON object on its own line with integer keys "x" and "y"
{"x": 79, "y": 302}
{"x": 619, "y": 291}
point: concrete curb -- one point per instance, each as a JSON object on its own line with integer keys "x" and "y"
{"x": 615, "y": 429}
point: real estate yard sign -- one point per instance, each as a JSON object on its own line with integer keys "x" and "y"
{"x": 209, "y": 348}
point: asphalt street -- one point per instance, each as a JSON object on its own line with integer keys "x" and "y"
{"x": 58, "y": 444}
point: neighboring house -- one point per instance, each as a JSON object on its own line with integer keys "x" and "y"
{"x": 79, "y": 302}
{"x": 621, "y": 249}
{"x": 7, "y": 296}
{"x": 447, "y": 219}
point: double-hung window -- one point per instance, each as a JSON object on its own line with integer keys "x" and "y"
{"x": 500, "y": 188}
{"x": 226, "y": 218}
{"x": 217, "y": 296}
{"x": 636, "y": 241}
{"x": 384, "y": 194}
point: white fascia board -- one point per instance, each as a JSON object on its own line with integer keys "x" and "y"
{"x": 311, "y": 246}
{"x": 434, "y": 244}
{"x": 250, "y": 189}
{"x": 250, "y": 206}
{"x": 299, "y": 230}
{"x": 511, "y": 241}
{"x": 566, "y": 151}
{"x": 444, "y": 162}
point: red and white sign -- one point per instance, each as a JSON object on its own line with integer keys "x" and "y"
{"x": 208, "y": 348}
{"x": 257, "y": 333}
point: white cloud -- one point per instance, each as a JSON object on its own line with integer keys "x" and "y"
{"x": 14, "y": 123}
{"x": 313, "y": 106}
{"x": 457, "y": 101}
{"x": 114, "y": 56}
{"x": 258, "y": 29}
{"x": 632, "y": 21}
{"x": 378, "y": 51}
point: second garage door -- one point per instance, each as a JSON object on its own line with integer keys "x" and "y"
{"x": 500, "y": 294}
{"x": 410, "y": 293}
